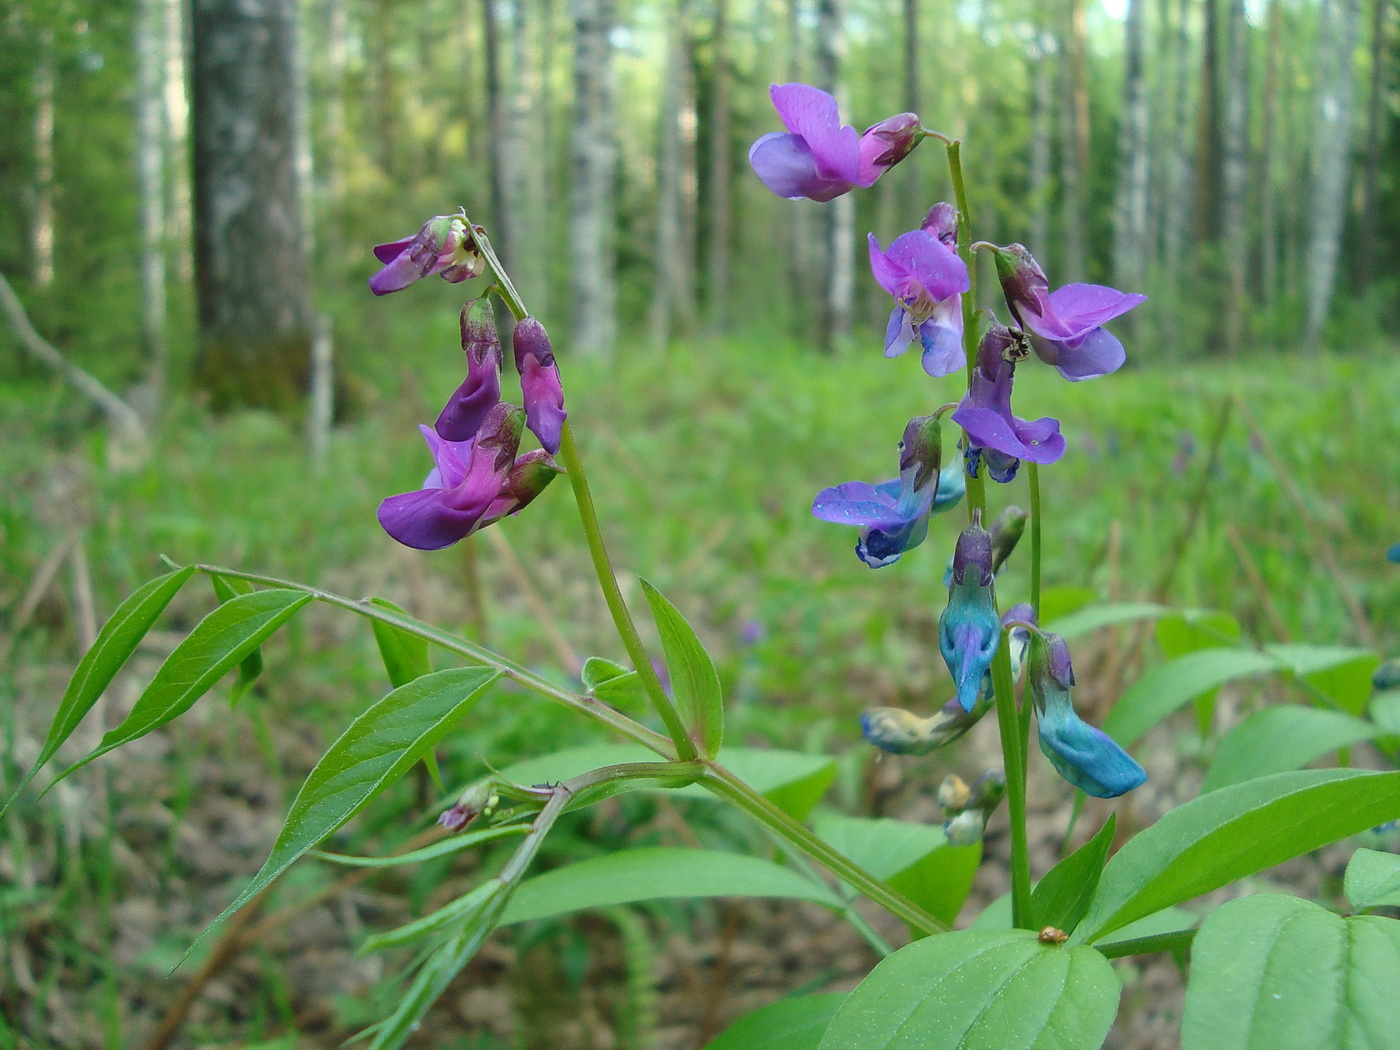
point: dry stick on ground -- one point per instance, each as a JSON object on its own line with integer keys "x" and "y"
{"x": 538, "y": 607}
{"x": 1256, "y": 581}
{"x": 1321, "y": 547}
{"x": 125, "y": 422}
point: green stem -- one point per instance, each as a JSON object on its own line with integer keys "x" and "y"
{"x": 477, "y": 654}
{"x": 612, "y": 594}
{"x": 1033, "y": 475}
{"x": 1157, "y": 942}
{"x": 1014, "y": 756}
{"x": 729, "y": 787}
{"x": 976, "y": 487}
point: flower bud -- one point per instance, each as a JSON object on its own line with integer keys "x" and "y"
{"x": 942, "y": 222}
{"x": 953, "y": 794}
{"x": 969, "y": 630}
{"x": 966, "y": 829}
{"x": 1006, "y": 532}
{"x": 887, "y": 143}
{"x": 462, "y": 416}
{"x": 539, "y": 383}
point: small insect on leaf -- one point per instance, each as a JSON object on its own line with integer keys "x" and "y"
{"x": 1051, "y": 935}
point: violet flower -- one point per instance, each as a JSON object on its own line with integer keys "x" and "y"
{"x": 893, "y": 515}
{"x": 473, "y": 484}
{"x": 969, "y": 630}
{"x": 465, "y": 410}
{"x": 443, "y": 246}
{"x": 1064, "y": 325}
{"x": 1087, "y": 757}
{"x": 819, "y": 157}
{"x": 995, "y": 436}
{"x": 922, "y": 271}
{"x": 539, "y": 383}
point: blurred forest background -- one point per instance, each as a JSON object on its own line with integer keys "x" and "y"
{"x": 188, "y": 196}
{"x": 1239, "y": 161}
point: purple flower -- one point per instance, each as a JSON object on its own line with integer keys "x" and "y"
{"x": 819, "y": 157}
{"x": 985, "y": 412}
{"x": 969, "y": 630}
{"x": 1064, "y": 325}
{"x": 927, "y": 280}
{"x": 462, "y": 416}
{"x": 444, "y": 246}
{"x": 539, "y": 383}
{"x": 893, "y": 515}
{"x": 1087, "y": 757}
{"x": 473, "y": 484}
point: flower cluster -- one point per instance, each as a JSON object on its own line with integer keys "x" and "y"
{"x": 820, "y": 158}
{"x": 477, "y": 476}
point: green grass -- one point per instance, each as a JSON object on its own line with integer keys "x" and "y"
{"x": 703, "y": 461}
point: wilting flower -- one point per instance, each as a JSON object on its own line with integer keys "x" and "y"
{"x": 473, "y": 484}
{"x": 539, "y": 383}
{"x": 443, "y": 246}
{"x": 1064, "y": 325}
{"x": 922, "y": 271}
{"x": 465, "y": 410}
{"x": 985, "y": 413}
{"x": 900, "y": 732}
{"x": 1086, "y": 757}
{"x": 819, "y": 157}
{"x": 969, "y": 808}
{"x": 969, "y": 630}
{"x": 893, "y": 515}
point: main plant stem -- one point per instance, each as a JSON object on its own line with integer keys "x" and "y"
{"x": 1014, "y": 758}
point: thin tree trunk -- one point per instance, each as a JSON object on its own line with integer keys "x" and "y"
{"x": 1234, "y": 171}
{"x": 1039, "y": 185}
{"x": 1208, "y": 188}
{"x": 592, "y": 189}
{"x": 253, "y": 278}
{"x": 530, "y": 159}
{"x": 179, "y": 211}
{"x": 41, "y": 230}
{"x": 799, "y": 229}
{"x": 1331, "y": 157}
{"x": 503, "y": 175}
{"x": 838, "y": 300}
{"x": 1268, "y": 210}
{"x": 1074, "y": 141}
{"x": 672, "y": 289}
{"x": 1371, "y": 173}
{"x": 910, "y": 177}
{"x": 1177, "y": 207}
{"x": 150, "y": 191}
{"x": 720, "y": 161}
{"x": 1130, "y": 205}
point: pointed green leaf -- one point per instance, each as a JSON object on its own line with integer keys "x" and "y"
{"x": 980, "y": 990}
{"x": 1234, "y": 832}
{"x": 1063, "y": 896}
{"x": 694, "y": 680}
{"x": 1092, "y": 617}
{"x": 613, "y": 684}
{"x": 405, "y": 655}
{"x": 656, "y": 873}
{"x": 1342, "y": 673}
{"x": 1189, "y": 631}
{"x": 1277, "y": 739}
{"x": 441, "y": 848}
{"x": 113, "y": 646}
{"x": 1373, "y": 880}
{"x": 1167, "y": 686}
{"x": 374, "y": 751}
{"x": 251, "y": 669}
{"x": 1282, "y": 973}
{"x": 218, "y": 643}
{"x": 788, "y": 1024}
{"x": 449, "y": 914}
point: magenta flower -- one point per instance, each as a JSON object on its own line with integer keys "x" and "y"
{"x": 465, "y": 410}
{"x": 443, "y": 246}
{"x": 1064, "y": 325}
{"x": 927, "y": 279}
{"x": 985, "y": 412}
{"x": 821, "y": 158}
{"x": 473, "y": 484}
{"x": 539, "y": 383}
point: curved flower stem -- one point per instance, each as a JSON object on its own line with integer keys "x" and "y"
{"x": 1014, "y": 756}
{"x": 729, "y": 787}
{"x": 612, "y": 594}
{"x": 477, "y": 654}
{"x": 976, "y": 487}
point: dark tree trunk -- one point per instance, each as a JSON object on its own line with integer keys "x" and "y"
{"x": 253, "y": 280}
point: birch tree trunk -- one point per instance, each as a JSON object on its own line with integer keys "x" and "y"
{"x": 839, "y": 215}
{"x": 720, "y": 161}
{"x": 1039, "y": 184}
{"x": 1234, "y": 172}
{"x": 41, "y": 232}
{"x": 253, "y": 281}
{"x": 531, "y": 158}
{"x": 592, "y": 189}
{"x": 1336, "y": 41}
{"x": 179, "y": 211}
{"x": 1074, "y": 140}
{"x": 150, "y": 192}
{"x": 1130, "y": 204}
{"x": 1268, "y": 151}
{"x": 673, "y": 292}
